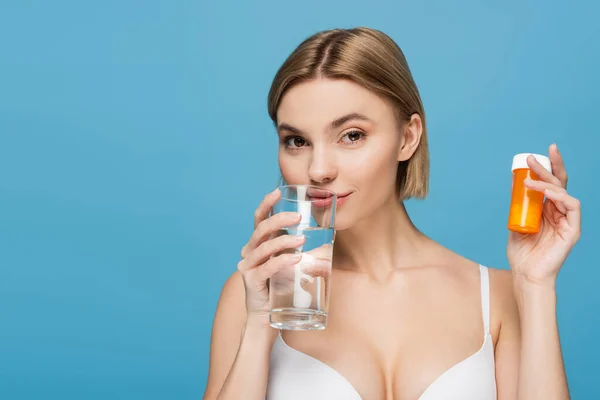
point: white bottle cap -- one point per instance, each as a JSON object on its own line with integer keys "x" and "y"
{"x": 520, "y": 161}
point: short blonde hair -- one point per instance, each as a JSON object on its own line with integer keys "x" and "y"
{"x": 372, "y": 59}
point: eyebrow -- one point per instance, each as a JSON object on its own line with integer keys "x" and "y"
{"x": 334, "y": 124}
{"x": 350, "y": 117}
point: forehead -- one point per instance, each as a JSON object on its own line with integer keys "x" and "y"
{"x": 320, "y": 101}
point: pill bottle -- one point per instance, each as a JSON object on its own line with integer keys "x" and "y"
{"x": 526, "y": 205}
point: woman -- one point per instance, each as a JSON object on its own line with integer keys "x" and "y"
{"x": 408, "y": 318}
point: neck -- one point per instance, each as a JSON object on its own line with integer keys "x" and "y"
{"x": 380, "y": 243}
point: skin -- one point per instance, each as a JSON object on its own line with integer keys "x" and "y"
{"x": 386, "y": 342}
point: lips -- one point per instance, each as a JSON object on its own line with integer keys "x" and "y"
{"x": 317, "y": 193}
{"x": 323, "y": 198}
{"x": 342, "y": 198}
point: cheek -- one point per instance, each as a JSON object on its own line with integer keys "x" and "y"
{"x": 371, "y": 167}
{"x": 292, "y": 169}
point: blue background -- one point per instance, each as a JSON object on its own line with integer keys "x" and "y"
{"x": 135, "y": 145}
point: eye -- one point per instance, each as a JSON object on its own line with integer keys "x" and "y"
{"x": 294, "y": 142}
{"x": 353, "y": 137}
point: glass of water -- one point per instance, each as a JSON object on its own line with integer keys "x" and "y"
{"x": 299, "y": 294}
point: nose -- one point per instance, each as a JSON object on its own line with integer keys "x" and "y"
{"x": 322, "y": 167}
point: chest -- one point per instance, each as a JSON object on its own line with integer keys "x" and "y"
{"x": 395, "y": 342}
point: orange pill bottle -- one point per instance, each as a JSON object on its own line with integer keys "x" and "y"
{"x": 526, "y": 205}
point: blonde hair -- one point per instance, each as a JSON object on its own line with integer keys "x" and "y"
{"x": 372, "y": 59}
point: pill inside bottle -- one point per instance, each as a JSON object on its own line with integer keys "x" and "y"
{"x": 526, "y": 205}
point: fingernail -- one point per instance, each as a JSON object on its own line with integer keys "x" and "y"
{"x": 299, "y": 238}
{"x": 550, "y": 193}
{"x": 274, "y": 192}
{"x": 295, "y": 258}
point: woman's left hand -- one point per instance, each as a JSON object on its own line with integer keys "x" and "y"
{"x": 538, "y": 257}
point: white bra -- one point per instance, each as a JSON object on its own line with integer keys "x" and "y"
{"x": 294, "y": 375}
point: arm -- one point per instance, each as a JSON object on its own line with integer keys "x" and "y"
{"x": 535, "y": 260}
{"x": 542, "y": 372}
{"x": 529, "y": 361}
{"x": 242, "y": 337}
{"x": 239, "y": 349}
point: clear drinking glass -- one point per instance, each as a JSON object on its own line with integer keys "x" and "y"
{"x": 299, "y": 294}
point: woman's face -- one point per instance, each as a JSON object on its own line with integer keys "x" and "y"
{"x": 337, "y": 135}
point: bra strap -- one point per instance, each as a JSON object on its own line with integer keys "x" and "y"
{"x": 485, "y": 297}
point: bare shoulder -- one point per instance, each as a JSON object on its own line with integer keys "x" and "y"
{"x": 233, "y": 293}
{"x": 231, "y": 308}
{"x": 500, "y": 280}
{"x": 503, "y": 305}
{"x": 228, "y": 325}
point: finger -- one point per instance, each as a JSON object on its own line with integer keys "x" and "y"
{"x": 321, "y": 259}
{"x": 542, "y": 172}
{"x": 271, "y": 225}
{"x": 271, "y": 247}
{"x": 261, "y": 213}
{"x": 263, "y": 210}
{"x": 570, "y": 203}
{"x": 558, "y": 165}
{"x": 540, "y": 186}
{"x": 282, "y": 282}
{"x": 320, "y": 268}
{"x": 324, "y": 252}
{"x": 274, "y": 265}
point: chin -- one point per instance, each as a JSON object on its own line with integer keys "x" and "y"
{"x": 342, "y": 222}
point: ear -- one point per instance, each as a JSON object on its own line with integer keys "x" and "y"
{"x": 411, "y": 136}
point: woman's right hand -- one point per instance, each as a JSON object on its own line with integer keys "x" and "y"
{"x": 265, "y": 254}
